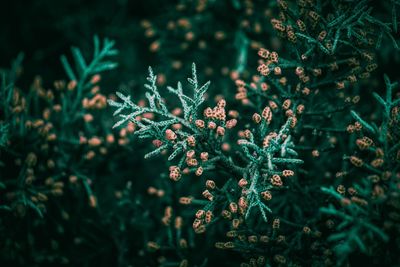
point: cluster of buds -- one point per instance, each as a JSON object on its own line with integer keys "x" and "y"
{"x": 156, "y": 192}
{"x": 227, "y": 214}
{"x": 43, "y": 128}
{"x": 287, "y": 173}
{"x": 241, "y": 91}
{"x": 216, "y": 120}
{"x": 97, "y": 144}
{"x": 235, "y": 214}
{"x": 350, "y": 196}
{"x": 40, "y": 91}
{"x": 225, "y": 245}
{"x": 202, "y": 219}
{"x": 259, "y": 261}
{"x": 18, "y": 102}
{"x": 191, "y": 161}
{"x": 39, "y": 197}
{"x": 356, "y": 127}
{"x": 210, "y": 185}
{"x": 268, "y": 64}
{"x": 249, "y": 238}
{"x": 41, "y": 122}
{"x": 98, "y": 101}
{"x": 280, "y": 259}
{"x": 243, "y": 204}
{"x": 291, "y": 112}
{"x": 217, "y": 113}
{"x": 57, "y": 188}
{"x": 123, "y": 135}
{"x": 278, "y": 25}
{"x": 267, "y": 139}
{"x": 303, "y": 77}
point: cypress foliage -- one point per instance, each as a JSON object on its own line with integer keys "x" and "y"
{"x": 280, "y": 148}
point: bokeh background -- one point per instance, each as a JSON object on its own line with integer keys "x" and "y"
{"x": 221, "y": 36}
{"x": 168, "y": 35}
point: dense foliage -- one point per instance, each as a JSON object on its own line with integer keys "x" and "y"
{"x": 281, "y": 147}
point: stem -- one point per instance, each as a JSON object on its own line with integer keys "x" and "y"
{"x": 228, "y": 163}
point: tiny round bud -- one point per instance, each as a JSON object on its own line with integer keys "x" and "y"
{"x": 204, "y": 156}
{"x": 243, "y": 182}
{"x": 185, "y": 200}
{"x": 286, "y": 104}
{"x": 190, "y": 154}
{"x": 266, "y": 195}
{"x": 276, "y": 180}
{"x": 191, "y": 140}
{"x": 226, "y": 214}
{"x": 220, "y": 131}
{"x": 212, "y": 125}
{"x": 210, "y": 184}
{"x": 206, "y": 194}
{"x": 174, "y": 173}
{"x": 264, "y": 53}
{"x": 356, "y": 161}
{"x": 94, "y": 141}
{"x": 306, "y": 230}
{"x": 341, "y": 189}
{"x": 208, "y": 113}
{"x": 170, "y": 135}
{"x": 287, "y": 173}
{"x": 276, "y": 224}
{"x": 221, "y": 103}
{"x": 300, "y": 109}
{"x": 231, "y": 123}
{"x": 233, "y": 207}
{"x": 277, "y": 71}
{"x": 200, "y": 214}
{"x": 200, "y": 124}
{"x": 256, "y": 118}
{"x": 199, "y": 171}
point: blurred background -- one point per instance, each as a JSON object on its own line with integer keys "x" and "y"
{"x": 108, "y": 217}
{"x": 103, "y": 204}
